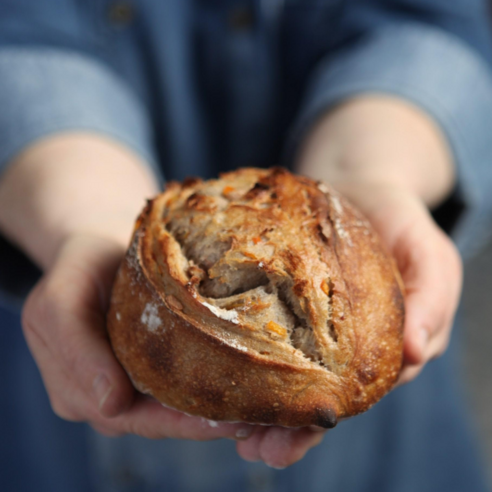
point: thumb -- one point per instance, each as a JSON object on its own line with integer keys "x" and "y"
{"x": 64, "y": 321}
{"x": 432, "y": 277}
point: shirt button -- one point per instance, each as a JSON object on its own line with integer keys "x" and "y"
{"x": 121, "y": 13}
{"x": 241, "y": 18}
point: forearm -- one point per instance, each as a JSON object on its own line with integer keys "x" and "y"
{"x": 71, "y": 184}
{"x": 380, "y": 140}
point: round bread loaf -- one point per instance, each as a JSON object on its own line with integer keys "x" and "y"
{"x": 260, "y": 297}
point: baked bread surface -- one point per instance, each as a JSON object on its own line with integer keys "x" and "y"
{"x": 260, "y": 297}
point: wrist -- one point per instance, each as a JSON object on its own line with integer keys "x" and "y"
{"x": 69, "y": 185}
{"x": 380, "y": 140}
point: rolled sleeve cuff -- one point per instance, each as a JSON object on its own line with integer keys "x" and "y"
{"x": 440, "y": 74}
{"x": 45, "y": 91}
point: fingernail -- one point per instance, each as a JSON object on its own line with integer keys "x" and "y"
{"x": 244, "y": 433}
{"x": 102, "y": 389}
{"x": 276, "y": 467}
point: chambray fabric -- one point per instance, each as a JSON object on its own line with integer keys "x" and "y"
{"x": 418, "y": 438}
{"x": 193, "y": 93}
{"x": 198, "y": 87}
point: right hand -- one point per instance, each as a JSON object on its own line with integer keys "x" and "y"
{"x": 64, "y": 325}
{"x": 69, "y": 202}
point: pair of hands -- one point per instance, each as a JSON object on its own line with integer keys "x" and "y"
{"x": 64, "y": 325}
{"x": 70, "y": 202}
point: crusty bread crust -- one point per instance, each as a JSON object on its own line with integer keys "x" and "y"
{"x": 260, "y": 297}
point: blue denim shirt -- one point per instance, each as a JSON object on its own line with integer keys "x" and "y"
{"x": 195, "y": 87}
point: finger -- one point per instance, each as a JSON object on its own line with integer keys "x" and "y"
{"x": 67, "y": 314}
{"x": 67, "y": 398}
{"x": 432, "y": 276}
{"x": 409, "y": 373}
{"x": 148, "y": 418}
{"x": 64, "y": 394}
{"x": 429, "y": 265}
{"x": 425, "y": 293}
{"x": 280, "y": 447}
{"x": 86, "y": 269}
{"x": 283, "y": 447}
{"x": 77, "y": 343}
{"x": 435, "y": 348}
{"x": 250, "y": 450}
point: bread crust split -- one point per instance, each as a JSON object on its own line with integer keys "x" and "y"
{"x": 259, "y": 297}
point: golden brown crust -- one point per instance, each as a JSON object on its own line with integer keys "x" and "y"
{"x": 260, "y": 297}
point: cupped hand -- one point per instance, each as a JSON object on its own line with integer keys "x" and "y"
{"x": 431, "y": 271}
{"x": 428, "y": 262}
{"x": 64, "y": 325}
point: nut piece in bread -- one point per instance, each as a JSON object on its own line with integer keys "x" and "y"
{"x": 260, "y": 297}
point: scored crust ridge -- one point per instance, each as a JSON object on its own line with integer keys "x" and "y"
{"x": 260, "y": 297}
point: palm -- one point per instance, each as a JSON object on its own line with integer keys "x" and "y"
{"x": 429, "y": 265}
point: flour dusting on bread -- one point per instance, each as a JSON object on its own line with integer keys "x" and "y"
{"x": 150, "y": 317}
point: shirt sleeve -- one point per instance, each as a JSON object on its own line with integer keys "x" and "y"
{"x": 443, "y": 75}
{"x": 46, "y": 90}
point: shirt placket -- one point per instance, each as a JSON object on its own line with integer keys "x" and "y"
{"x": 253, "y": 75}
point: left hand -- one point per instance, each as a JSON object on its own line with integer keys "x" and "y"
{"x": 431, "y": 271}
{"x": 63, "y": 322}
{"x": 392, "y": 161}
{"x": 428, "y": 262}
{"x": 279, "y": 447}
